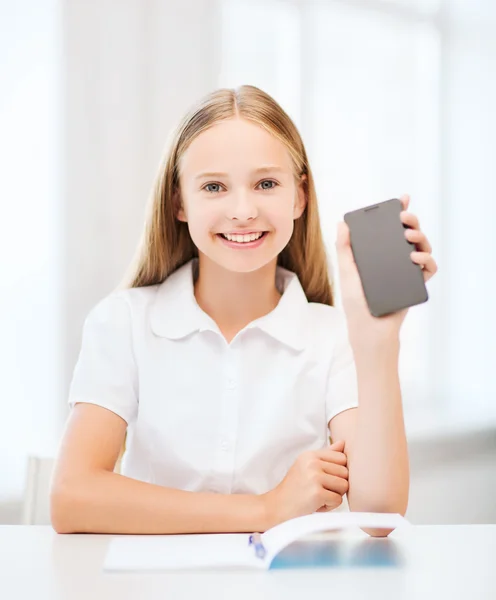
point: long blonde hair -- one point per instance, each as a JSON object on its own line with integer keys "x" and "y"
{"x": 166, "y": 243}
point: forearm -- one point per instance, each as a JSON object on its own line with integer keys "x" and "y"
{"x": 107, "y": 502}
{"x": 378, "y": 457}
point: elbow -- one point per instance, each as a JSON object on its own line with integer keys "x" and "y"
{"x": 385, "y": 532}
{"x": 377, "y": 532}
{"x": 399, "y": 508}
{"x": 60, "y": 513}
{"x": 63, "y": 511}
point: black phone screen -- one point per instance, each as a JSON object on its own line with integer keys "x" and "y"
{"x": 391, "y": 280}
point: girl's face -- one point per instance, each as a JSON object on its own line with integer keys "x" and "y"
{"x": 239, "y": 195}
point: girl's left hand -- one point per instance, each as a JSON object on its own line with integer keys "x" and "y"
{"x": 362, "y": 326}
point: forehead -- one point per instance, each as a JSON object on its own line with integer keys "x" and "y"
{"x": 235, "y": 145}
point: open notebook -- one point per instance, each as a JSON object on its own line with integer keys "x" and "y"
{"x": 231, "y": 550}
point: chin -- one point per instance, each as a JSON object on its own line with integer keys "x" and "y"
{"x": 242, "y": 264}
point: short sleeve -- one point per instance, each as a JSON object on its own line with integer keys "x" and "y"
{"x": 106, "y": 372}
{"x": 342, "y": 388}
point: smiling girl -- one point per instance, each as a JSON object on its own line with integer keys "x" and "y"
{"x": 224, "y": 358}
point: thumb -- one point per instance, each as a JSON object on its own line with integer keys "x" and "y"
{"x": 339, "y": 446}
{"x": 343, "y": 235}
{"x": 343, "y": 246}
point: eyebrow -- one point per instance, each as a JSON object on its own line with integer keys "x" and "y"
{"x": 264, "y": 169}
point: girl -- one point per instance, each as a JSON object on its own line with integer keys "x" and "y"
{"x": 225, "y": 360}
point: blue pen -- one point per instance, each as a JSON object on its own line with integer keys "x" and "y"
{"x": 256, "y": 540}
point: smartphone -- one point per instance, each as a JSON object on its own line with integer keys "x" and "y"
{"x": 390, "y": 279}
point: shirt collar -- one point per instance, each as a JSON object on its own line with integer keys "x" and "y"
{"x": 176, "y": 314}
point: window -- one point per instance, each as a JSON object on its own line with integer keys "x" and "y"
{"x": 361, "y": 82}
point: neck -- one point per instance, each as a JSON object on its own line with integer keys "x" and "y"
{"x": 233, "y": 300}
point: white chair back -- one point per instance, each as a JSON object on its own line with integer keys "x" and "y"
{"x": 36, "y": 505}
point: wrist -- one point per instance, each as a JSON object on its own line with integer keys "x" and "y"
{"x": 371, "y": 366}
{"x": 374, "y": 353}
{"x": 267, "y": 510}
{"x": 380, "y": 342}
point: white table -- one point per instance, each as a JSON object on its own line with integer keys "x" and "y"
{"x": 452, "y": 562}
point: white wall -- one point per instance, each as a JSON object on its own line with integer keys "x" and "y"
{"x": 131, "y": 71}
{"x": 30, "y": 236}
{"x": 90, "y": 92}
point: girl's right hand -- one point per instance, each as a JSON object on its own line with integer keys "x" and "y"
{"x": 315, "y": 482}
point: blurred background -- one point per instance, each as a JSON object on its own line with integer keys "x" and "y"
{"x": 391, "y": 97}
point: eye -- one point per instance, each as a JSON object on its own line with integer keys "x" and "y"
{"x": 212, "y": 191}
{"x": 268, "y": 181}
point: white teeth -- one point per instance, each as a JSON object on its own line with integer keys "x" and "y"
{"x": 243, "y": 238}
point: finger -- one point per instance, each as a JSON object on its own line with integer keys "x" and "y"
{"x": 338, "y": 446}
{"x": 419, "y": 239}
{"x": 405, "y": 201}
{"x": 334, "y": 484}
{"x": 331, "y": 501}
{"x": 339, "y": 485}
{"x": 328, "y": 508}
{"x": 425, "y": 260}
{"x": 408, "y": 218}
{"x": 334, "y": 469}
{"x": 339, "y": 458}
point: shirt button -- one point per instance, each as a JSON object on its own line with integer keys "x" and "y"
{"x": 231, "y": 384}
{"x": 224, "y": 446}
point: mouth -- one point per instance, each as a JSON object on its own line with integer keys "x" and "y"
{"x": 248, "y": 240}
{"x": 243, "y": 237}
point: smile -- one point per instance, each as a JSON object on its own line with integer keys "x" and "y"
{"x": 242, "y": 238}
{"x": 249, "y": 240}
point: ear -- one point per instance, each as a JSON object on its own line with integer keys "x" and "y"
{"x": 179, "y": 208}
{"x": 301, "y": 198}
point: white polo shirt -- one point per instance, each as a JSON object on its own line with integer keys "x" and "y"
{"x": 205, "y": 415}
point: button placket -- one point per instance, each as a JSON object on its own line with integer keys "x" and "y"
{"x": 228, "y": 423}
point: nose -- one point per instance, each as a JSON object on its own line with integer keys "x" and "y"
{"x": 242, "y": 207}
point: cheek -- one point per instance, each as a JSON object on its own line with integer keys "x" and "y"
{"x": 203, "y": 219}
{"x": 285, "y": 230}
{"x": 280, "y": 215}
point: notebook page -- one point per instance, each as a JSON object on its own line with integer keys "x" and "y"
{"x": 280, "y": 536}
{"x": 164, "y": 552}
